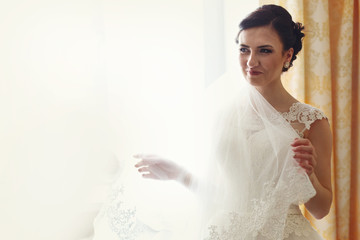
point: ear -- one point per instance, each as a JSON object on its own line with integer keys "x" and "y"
{"x": 288, "y": 54}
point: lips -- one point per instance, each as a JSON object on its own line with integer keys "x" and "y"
{"x": 253, "y": 72}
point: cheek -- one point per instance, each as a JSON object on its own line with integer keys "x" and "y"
{"x": 243, "y": 61}
{"x": 277, "y": 61}
{"x": 272, "y": 63}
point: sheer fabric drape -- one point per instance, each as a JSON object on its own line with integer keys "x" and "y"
{"x": 248, "y": 183}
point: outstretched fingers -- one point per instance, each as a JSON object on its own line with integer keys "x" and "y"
{"x": 150, "y": 175}
{"x": 146, "y": 159}
{"x": 142, "y": 163}
{"x": 143, "y": 169}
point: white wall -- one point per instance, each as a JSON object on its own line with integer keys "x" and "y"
{"x": 53, "y": 115}
{"x": 85, "y": 84}
{"x": 155, "y": 67}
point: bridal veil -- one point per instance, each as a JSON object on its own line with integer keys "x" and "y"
{"x": 246, "y": 182}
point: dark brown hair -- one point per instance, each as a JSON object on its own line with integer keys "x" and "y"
{"x": 280, "y": 20}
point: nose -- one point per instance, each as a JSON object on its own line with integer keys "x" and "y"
{"x": 252, "y": 60}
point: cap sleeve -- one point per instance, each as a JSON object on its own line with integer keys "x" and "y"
{"x": 309, "y": 115}
{"x": 301, "y": 116}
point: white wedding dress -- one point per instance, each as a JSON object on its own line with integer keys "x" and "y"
{"x": 252, "y": 191}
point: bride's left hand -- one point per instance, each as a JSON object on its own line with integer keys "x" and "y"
{"x": 305, "y": 154}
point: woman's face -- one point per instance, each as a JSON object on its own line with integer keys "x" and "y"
{"x": 261, "y": 56}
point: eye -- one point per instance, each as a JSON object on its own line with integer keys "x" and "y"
{"x": 243, "y": 50}
{"x": 265, "y": 50}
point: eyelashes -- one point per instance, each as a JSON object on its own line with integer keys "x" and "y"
{"x": 264, "y": 50}
{"x": 244, "y": 50}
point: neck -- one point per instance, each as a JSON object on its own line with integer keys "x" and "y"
{"x": 276, "y": 95}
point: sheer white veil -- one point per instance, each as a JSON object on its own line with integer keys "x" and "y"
{"x": 246, "y": 182}
{"x": 251, "y": 170}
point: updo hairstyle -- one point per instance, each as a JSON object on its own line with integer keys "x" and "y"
{"x": 280, "y": 20}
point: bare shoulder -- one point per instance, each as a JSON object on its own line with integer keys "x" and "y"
{"x": 320, "y": 128}
{"x": 320, "y": 134}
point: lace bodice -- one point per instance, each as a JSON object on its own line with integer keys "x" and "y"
{"x": 296, "y": 227}
{"x": 301, "y": 116}
{"x": 297, "y": 224}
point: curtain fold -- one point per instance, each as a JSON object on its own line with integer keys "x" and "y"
{"x": 326, "y": 75}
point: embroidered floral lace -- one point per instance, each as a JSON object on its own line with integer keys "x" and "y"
{"x": 302, "y": 114}
{"x": 253, "y": 223}
{"x": 297, "y": 224}
{"x": 122, "y": 216}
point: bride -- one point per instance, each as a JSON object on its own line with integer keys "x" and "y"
{"x": 267, "y": 153}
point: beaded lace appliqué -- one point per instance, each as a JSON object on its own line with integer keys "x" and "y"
{"x": 122, "y": 217}
{"x": 253, "y": 225}
{"x": 304, "y": 114}
{"x": 297, "y": 224}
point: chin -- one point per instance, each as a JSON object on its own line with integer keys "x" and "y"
{"x": 253, "y": 81}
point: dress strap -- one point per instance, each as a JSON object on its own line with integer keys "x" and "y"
{"x": 304, "y": 115}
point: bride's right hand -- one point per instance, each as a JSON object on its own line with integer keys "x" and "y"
{"x": 156, "y": 167}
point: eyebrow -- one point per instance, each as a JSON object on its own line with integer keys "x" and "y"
{"x": 262, "y": 46}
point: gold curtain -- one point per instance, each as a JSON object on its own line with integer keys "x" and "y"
{"x": 326, "y": 75}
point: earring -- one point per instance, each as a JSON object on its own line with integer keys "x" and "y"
{"x": 287, "y": 65}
